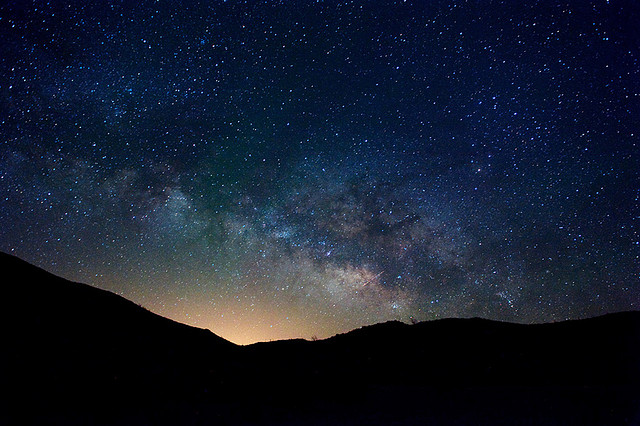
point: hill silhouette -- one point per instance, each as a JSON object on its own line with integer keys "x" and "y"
{"x": 74, "y": 354}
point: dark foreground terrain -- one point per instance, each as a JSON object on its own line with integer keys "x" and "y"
{"x": 75, "y": 355}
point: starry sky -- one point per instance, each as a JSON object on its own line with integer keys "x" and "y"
{"x": 283, "y": 169}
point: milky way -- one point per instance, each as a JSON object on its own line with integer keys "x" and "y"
{"x": 294, "y": 169}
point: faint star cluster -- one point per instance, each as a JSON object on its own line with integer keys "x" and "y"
{"x": 293, "y": 169}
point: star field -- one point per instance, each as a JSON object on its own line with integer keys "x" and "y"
{"x": 285, "y": 169}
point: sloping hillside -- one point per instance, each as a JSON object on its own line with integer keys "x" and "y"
{"x": 73, "y": 354}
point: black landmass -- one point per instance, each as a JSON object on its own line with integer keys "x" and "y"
{"x": 76, "y": 355}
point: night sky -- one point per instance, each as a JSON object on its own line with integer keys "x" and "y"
{"x": 285, "y": 169}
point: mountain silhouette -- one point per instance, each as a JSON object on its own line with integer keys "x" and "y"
{"x": 77, "y": 355}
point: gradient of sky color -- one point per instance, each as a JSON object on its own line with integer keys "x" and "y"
{"x": 285, "y": 169}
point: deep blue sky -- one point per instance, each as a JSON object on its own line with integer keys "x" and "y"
{"x": 293, "y": 168}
